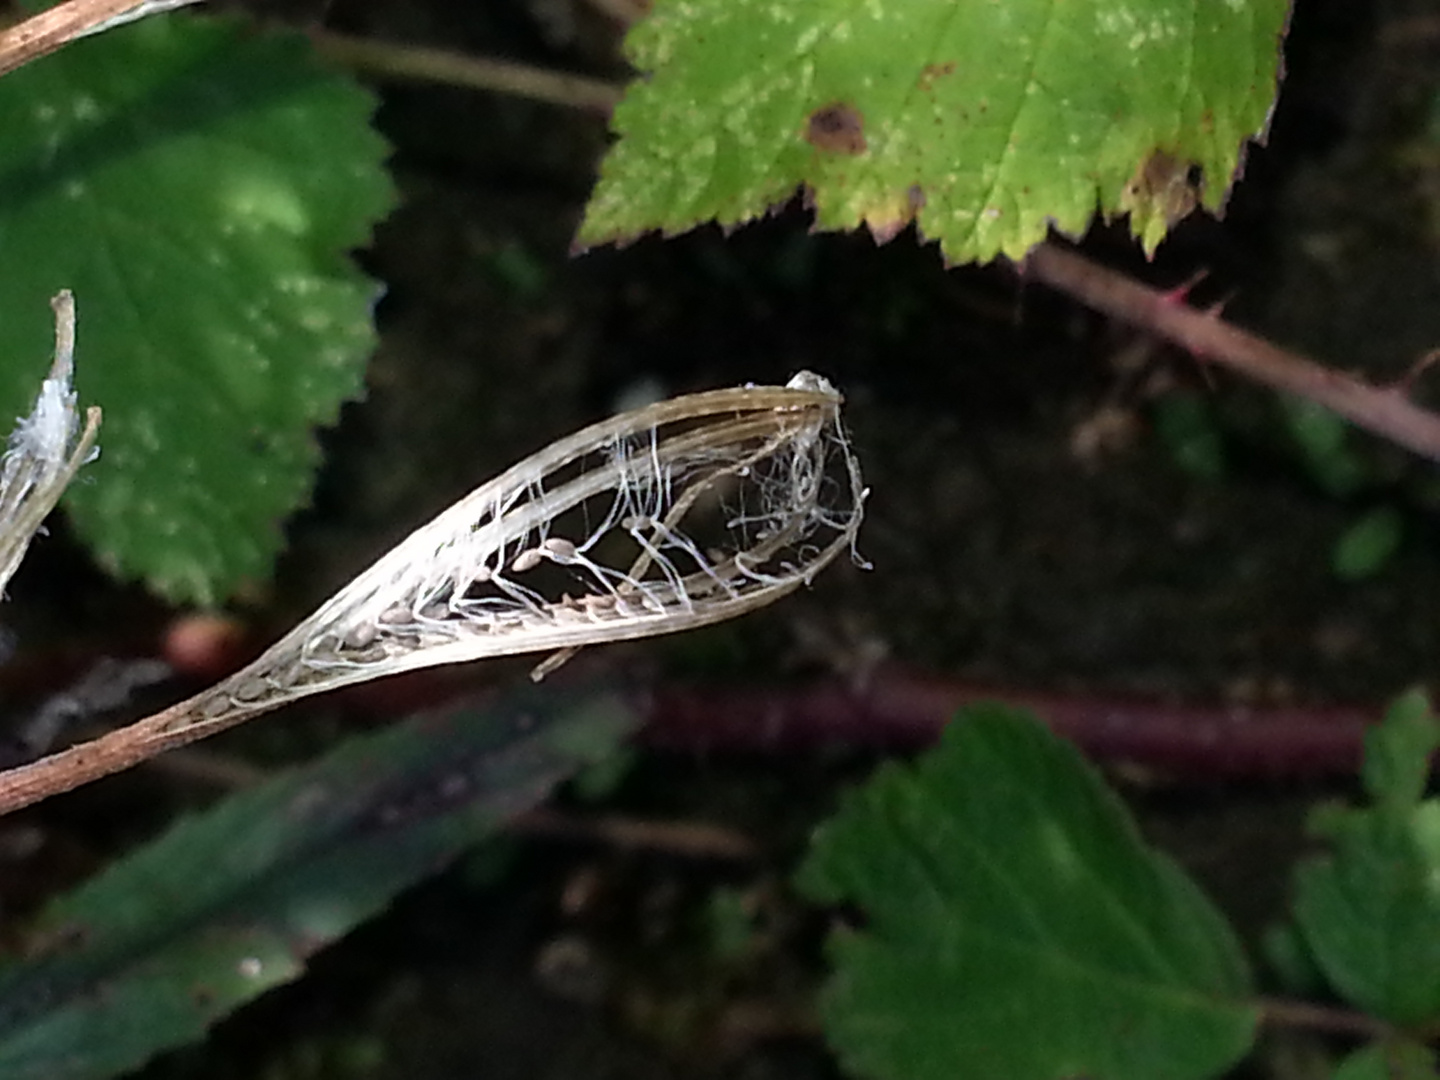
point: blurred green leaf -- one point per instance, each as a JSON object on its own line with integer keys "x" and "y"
{"x": 1187, "y": 427}
{"x": 1016, "y": 924}
{"x": 1289, "y": 957}
{"x": 1368, "y": 544}
{"x": 233, "y": 901}
{"x": 1370, "y": 908}
{"x": 198, "y": 184}
{"x": 519, "y": 270}
{"x": 1399, "y": 1059}
{"x": 600, "y": 781}
{"x": 985, "y": 122}
{"x": 1323, "y": 439}
{"x": 730, "y": 923}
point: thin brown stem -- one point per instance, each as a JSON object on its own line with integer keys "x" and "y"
{"x": 110, "y": 753}
{"x": 623, "y": 12}
{"x": 1385, "y": 411}
{"x": 1283, "y": 1012}
{"x": 688, "y": 839}
{"x": 394, "y": 61}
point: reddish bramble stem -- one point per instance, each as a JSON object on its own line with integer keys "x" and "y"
{"x": 907, "y": 710}
{"x": 1384, "y": 410}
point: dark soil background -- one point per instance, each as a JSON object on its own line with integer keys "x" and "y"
{"x": 1028, "y": 527}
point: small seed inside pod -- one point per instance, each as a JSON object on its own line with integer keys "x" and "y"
{"x": 357, "y": 637}
{"x": 526, "y": 560}
{"x": 558, "y": 550}
{"x": 250, "y": 690}
{"x": 215, "y": 706}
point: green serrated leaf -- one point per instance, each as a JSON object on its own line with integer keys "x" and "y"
{"x": 233, "y": 901}
{"x": 1017, "y": 924}
{"x": 1397, "y": 1059}
{"x": 1370, "y": 909}
{"x": 198, "y": 185}
{"x": 1397, "y": 752}
{"x": 985, "y": 122}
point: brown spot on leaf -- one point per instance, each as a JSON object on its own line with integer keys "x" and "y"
{"x": 837, "y": 128}
{"x": 931, "y": 72}
{"x": 1163, "y": 185}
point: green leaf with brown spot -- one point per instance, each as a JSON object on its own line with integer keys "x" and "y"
{"x": 982, "y": 121}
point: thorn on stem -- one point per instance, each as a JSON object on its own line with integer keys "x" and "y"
{"x": 1181, "y": 292}
{"x": 1405, "y": 384}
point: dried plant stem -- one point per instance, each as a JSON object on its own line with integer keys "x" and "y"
{"x": 1283, "y": 1013}
{"x": 108, "y": 754}
{"x": 46, "y": 32}
{"x": 392, "y": 60}
{"x": 674, "y": 516}
{"x": 1383, "y": 410}
{"x": 50, "y": 30}
{"x": 624, "y": 12}
{"x": 687, "y": 839}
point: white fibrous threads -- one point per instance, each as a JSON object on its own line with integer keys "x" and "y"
{"x": 671, "y": 516}
{"x": 45, "y": 450}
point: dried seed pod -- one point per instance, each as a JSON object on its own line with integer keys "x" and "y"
{"x": 688, "y": 512}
